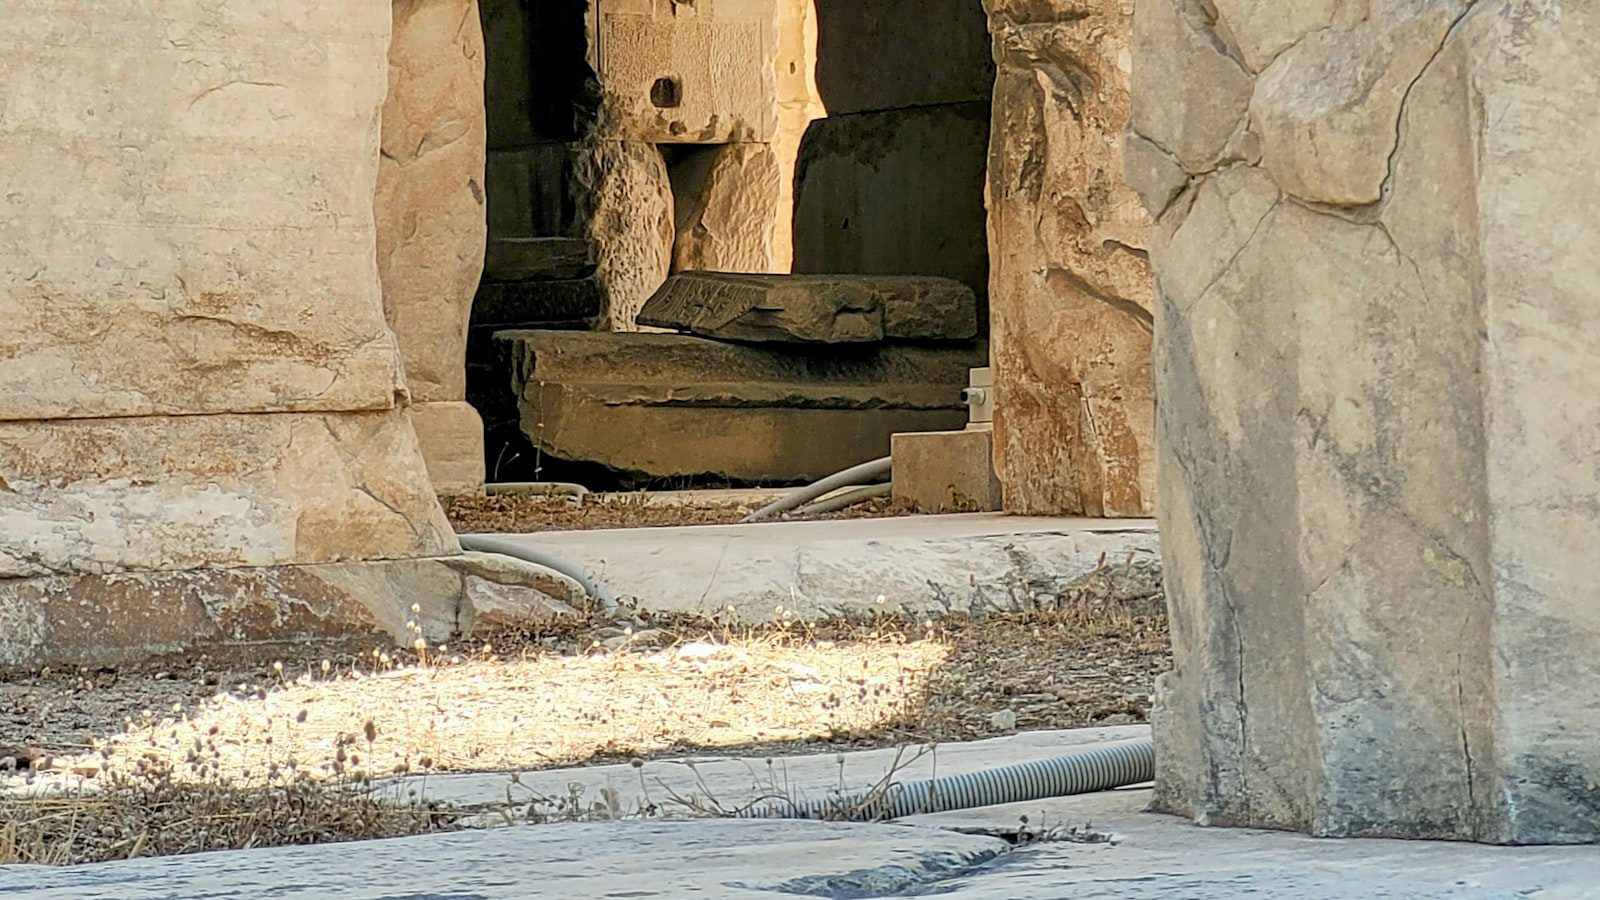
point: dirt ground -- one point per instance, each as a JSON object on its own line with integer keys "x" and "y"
{"x": 527, "y": 515}
{"x": 538, "y": 700}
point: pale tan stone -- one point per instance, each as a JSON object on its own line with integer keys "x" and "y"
{"x": 1070, "y": 301}
{"x": 946, "y": 471}
{"x": 430, "y": 195}
{"x": 451, "y": 438}
{"x": 799, "y": 103}
{"x": 668, "y": 405}
{"x": 688, "y": 77}
{"x": 189, "y": 221}
{"x": 628, "y": 215}
{"x": 180, "y": 492}
{"x": 726, "y": 203}
{"x": 1263, "y": 29}
{"x": 1326, "y": 107}
{"x": 1194, "y": 92}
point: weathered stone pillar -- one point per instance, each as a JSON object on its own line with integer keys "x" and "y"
{"x": 431, "y": 225}
{"x": 1378, "y": 363}
{"x": 201, "y": 431}
{"x": 1069, "y": 284}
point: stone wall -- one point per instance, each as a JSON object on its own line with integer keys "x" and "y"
{"x": 431, "y": 222}
{"x": 1379, "y": 371}
{"x": 1069, "y": 287}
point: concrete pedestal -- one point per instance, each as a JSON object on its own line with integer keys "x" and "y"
{"x": 946, "y": 471}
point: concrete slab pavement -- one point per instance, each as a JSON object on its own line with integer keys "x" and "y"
{"x": 853, "y": 568}
{"x": 734, "y": 782}
{"x": 1146, "y": 856}
{"x": 636, "y": 860}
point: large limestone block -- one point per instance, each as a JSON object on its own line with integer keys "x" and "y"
{"x": 430, "y": 196}
{"x": 627, "y": 214}
{"x": 899, "y": 54}
{"x": 1376, "y": 429}
{"x": 451, "y": 438}
{"x": 100, "y": 496}
{"x": 726, "y": 200}
{"x": 665, "y": 405}
{"x": 694, "y": 77}
{"x": 189, "y": 215}
{"x": 1069, "y": 290}
{"x": 829, "y": 309}
{"x": 895, "y": 193}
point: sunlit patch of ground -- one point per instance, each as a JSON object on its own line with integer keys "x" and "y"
{"x": 525, "y": 709}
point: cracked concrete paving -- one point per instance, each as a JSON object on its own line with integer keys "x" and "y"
{"x": 853, "y": 568}
{"x": 734, "y": 782}
{"x": 947, "y": 855}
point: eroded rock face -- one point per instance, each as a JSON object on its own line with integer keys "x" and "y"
{"x": 106, "y": 495}
{"x": 1380, "y": 388}
{"x": 125, "y": 619}
{"x": 627, "y": 211}
{"x": 693, "y": 73}
{"x": 1070, "y": 298}
{"x": 726, "y": 206}
{"x": 430, "y": 200}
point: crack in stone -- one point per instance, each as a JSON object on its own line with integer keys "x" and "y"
{"x": 1227, "y": 267}
{"x": 1386, "y": 187}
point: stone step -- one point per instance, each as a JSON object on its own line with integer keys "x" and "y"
{"x": 814, "y": 308}
{"x": 538, "y": 259}
{"x": 666, "y": 405}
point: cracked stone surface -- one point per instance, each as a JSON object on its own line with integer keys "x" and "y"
{"x": 1070, "y": 298}
{"x": 1379, "y": 392}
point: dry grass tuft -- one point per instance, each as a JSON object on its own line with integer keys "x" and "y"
{"x": 528, "y": 514}
{"x": 147, "y": 806}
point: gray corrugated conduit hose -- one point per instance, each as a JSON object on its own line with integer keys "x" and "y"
{"x": 846, "y": 499}
{"x": 1100, "y": 768}
{"x": 862, "y": 474}
{"x": 482, "y": 543}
